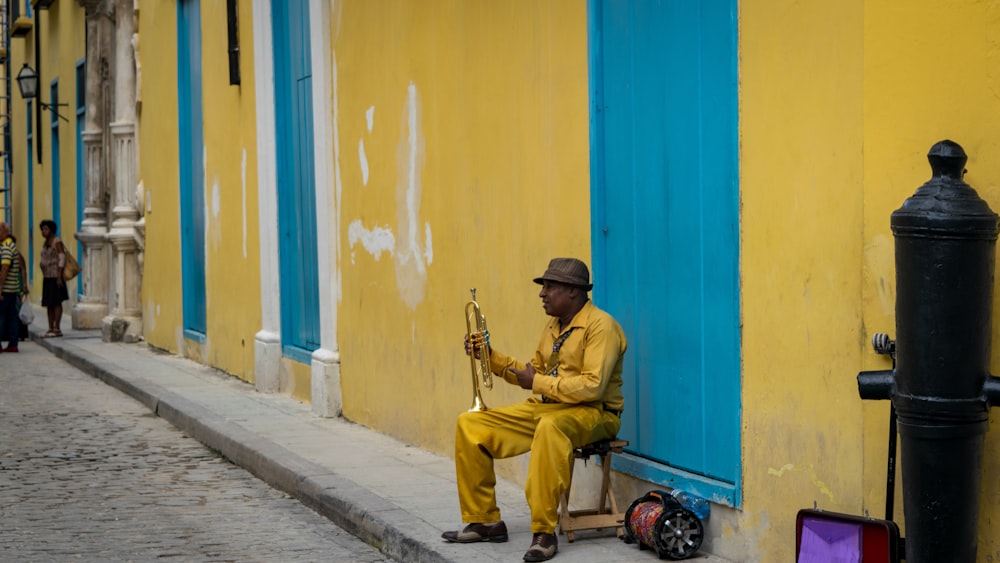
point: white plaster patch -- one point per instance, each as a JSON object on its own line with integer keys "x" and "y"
{"x": 337, "y": 182}
{"x": 411, "y": 270}
{"x": 364, "y": 162}
{"x": 205, "y": 199}
{"x": 370, "y": 117}
{"x": 215, "y": 199}
{"x": 429, "y": 251}
{"x": 152, "y": 310}
{"x": 179, "y": 340}
{"x": 214, "y": 227}
{"x": 243, "y": 179}
{"x": 375, "y": 241}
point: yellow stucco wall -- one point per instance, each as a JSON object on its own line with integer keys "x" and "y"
{"x": 22, "y": 50}
{"x": 232, "y": 235}
{"x": 932, "y": 72}
{"x": 839, "y": 105}
{"x": 62, "y": 45}
{"x": 162, "y": 312}
{"x": 470, "y": 121}
{"x": 801, "y": 255}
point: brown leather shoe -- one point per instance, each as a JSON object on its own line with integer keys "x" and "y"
{"x": 478, "y": 532}
{"x": 543, "y": 547}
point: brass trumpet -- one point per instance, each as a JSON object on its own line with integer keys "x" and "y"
{"x": 477, "y": 335}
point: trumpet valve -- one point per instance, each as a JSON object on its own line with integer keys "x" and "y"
{"x": 479, "y": 339}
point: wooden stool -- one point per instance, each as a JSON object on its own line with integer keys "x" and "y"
{"x": 603, "y": 516}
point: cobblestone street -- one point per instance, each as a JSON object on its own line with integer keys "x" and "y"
{"x": 89, "y": 474}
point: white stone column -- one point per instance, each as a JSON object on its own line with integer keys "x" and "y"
{"x": 267, "y": 341}
{"x": 92, "y": 306}
{"x": 124, "y": 323}
{"x": 326, "y": 396}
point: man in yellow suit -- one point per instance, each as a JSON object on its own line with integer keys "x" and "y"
{"x": 576, "y": 378}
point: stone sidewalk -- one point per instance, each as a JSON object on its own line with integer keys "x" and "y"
{"x": 394, "y": 496}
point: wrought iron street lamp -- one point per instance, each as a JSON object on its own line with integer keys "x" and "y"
{"x": 27, "y": 82}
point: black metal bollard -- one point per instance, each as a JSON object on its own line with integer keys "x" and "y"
{"x": 941, "y": 387}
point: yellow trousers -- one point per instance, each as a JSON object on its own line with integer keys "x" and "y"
{"x": 549, "y": 431}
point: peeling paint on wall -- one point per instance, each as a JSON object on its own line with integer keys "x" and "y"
{"x": 411, "y": 271}
{"x": 412, "y": 248}
{"x": 821, "y": 487}
{"x": 216, "y": 199}
{"x": 243, "y": 185}
{"x": 338, "y": 184}
{"x": 364, "y": 162}
{"x": 429, "y": 251}
{"x": 215, "y": 226}
{"x": 369, "y": 120}
{"x": 376, "y": 240}
{"x": 150, "y": 317}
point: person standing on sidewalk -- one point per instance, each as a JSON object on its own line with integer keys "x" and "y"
{"x": 54, "y": 291}
{"x": 576, "y": 372}
{"x": 22, "y": 327}
{"x": 10, "y": 289}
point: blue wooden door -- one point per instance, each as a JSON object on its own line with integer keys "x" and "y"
{"x": 192, "y": 170}
{"x": 296, "y": 189}
{"x": 666, "y": 239}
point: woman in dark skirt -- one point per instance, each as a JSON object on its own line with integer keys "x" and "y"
{"x": 53, "y": 286}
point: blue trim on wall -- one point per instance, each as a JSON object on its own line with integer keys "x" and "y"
{"x": 595, "y": 64}
{"x": 192, "y": 175}
{"x": 714, "y": 490}
{"x": 297, "y": 246}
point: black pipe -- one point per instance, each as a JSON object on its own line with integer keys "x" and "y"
{"x": 890, "y": 471}
{"x": 940, "y": 387}
{"x": 38, "y": 102}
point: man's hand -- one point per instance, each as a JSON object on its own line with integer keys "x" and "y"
{"x": 478, "y": 342}
{"x": 525, "y": 377}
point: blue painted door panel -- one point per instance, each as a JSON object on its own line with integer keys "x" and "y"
{"x": 296, "y": 180}
{"x": 192, "y": 172}
{"x": 666, "y": 241}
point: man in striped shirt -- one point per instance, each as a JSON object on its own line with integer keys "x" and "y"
{"x": 10, "y": 289}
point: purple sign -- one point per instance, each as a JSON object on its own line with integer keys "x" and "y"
{"x": 826, "y": 541}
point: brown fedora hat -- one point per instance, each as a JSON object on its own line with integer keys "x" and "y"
{"x": 569, "y": 271}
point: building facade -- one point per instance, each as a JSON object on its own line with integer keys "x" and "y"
{"x": 301, "y": 194}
